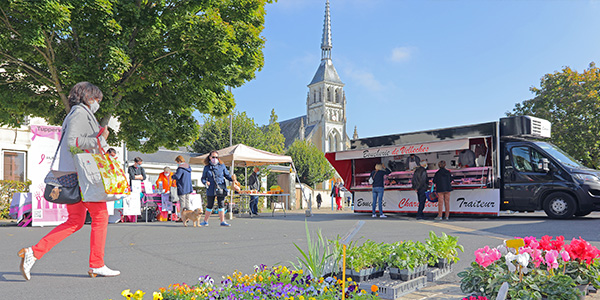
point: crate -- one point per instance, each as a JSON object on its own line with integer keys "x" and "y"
{"x": 434, "y": 274}
{"x": 394, "y": 289}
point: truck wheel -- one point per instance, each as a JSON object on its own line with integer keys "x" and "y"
{"x": 560, "y": 206}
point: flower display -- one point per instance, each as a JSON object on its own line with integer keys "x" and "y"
{"x": 545, "y": 267}
{"x": 277, "y": 282}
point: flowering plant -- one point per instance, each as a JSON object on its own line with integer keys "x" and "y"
{"x": 265, "y": 283}
{"x": 546, "y": 267}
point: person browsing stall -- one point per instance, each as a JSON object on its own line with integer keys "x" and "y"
{"x": 443, "y": 186}
{"x": 81, "y": 131}
{"x": 213, "y": 177}
{"x": 378, "y": 182}
{"x": 254, "y": 184}
{"x": 183, "y": 180}
{"x": 420, "y": 184}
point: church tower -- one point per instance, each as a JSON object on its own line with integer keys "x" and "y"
{"x": 326, "y": 100}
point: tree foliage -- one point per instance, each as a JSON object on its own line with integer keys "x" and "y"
{"x": 310, "y": 162}
{"x": 214, "y": 134}
{"x": 156, "y": 61}
{"x": 570, "y": 101}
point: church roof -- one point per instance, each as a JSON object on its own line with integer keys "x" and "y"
{"x": 326, "y": 72}
{"x": 291, "y": 129}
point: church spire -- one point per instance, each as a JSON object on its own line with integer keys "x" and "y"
{"x": 326, "y": 40}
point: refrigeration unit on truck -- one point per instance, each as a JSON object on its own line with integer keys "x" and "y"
{"x": 513, "y": 169}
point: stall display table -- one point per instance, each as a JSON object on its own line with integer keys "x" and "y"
{"x": 245, "y": 202}
{"x": 462, "y": 178}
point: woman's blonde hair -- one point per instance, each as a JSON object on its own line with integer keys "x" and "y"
{"x": 379, "y": 167}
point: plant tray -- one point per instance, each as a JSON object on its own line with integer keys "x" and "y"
{"x": 433, "y": 274}
{"x": 393, "y": 289}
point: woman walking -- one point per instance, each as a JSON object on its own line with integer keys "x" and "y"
{"x": 443, "y": 186}
{"x": 336, "y": 192}
{"x": 378, "y": 180}
{"x": 213, "y": 176}
{"x": 82, "y": 131}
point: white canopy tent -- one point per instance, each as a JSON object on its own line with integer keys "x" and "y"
{"x": 241, "y": 155}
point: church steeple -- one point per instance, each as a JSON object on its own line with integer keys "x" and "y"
{"x": 326, "y": 39}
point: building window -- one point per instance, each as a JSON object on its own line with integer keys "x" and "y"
{"x": 14, "y": 165}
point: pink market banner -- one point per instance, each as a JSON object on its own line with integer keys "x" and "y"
{"x": 468, "y": 201}
{"x": 403, "y": 149}
{"x": 44, "y": 140}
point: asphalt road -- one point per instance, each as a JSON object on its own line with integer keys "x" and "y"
{"x": 154, "y": 255}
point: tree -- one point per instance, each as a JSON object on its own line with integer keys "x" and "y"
{"x": 570, "y": 101}
{"x": 311, "y": 164}
{"x": 156, "y": 61}
{"x": 214, "y": 134}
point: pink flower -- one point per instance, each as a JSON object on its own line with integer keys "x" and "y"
{"x": 531, "y": 242}
{"x": 486, "y": 256}
{"x": 565, "y": 255}
{"x": 551, "y": 259}
{"x": 536, "y": 255}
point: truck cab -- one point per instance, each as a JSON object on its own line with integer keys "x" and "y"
{"x": 537, "y": 175}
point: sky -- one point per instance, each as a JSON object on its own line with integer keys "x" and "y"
{"x": 423, "y": 64}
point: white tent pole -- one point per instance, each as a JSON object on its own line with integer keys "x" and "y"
{"x": 309, "y": 211}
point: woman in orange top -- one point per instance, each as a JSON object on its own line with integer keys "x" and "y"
{"x": 164, "y": 181}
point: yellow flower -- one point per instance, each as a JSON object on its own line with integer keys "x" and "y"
{"x": 157, "y": 296}
{"x": 127, "y": 293}
{"x": 300, "y": 297}
{"x": 349, "y": 278}
{"x": 300, "y": 272}
{"x": 139, "y": 295}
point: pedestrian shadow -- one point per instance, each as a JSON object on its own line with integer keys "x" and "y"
{"x": 6, "y": 276}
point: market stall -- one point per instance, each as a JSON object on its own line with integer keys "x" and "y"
{"x": 474, "y": 182}
{"x": 241, "y": 155}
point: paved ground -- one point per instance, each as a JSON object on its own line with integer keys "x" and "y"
{"x": 154, "y": 255}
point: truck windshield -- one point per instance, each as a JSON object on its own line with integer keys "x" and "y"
{"x": 560, "y": 155}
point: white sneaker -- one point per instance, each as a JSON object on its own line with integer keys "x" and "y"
{"x": 27, "y": 261}
{"x": 374, "y": 216}
{"x": 382, "y": 216}
{"x": 103, "y": 271}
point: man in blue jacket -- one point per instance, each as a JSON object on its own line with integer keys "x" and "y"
{"x": 183, "y": 179}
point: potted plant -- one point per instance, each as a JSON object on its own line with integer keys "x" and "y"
{"x": 443, "y": 250}
{"x": 365, "y": 261}
{"x": 407, "y": 260}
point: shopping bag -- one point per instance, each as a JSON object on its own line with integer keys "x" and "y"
{"x": 431, "y": 195}
{"x": 174, "y": 197}
{"x": 101, "y": 178}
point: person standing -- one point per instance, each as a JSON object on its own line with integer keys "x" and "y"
{"x": 254, "y": 184}
{"x": 466, "y": 159}
{"x": 420, "y": 184}
{"x": 377, "y": 186}
{"x": 412, "y": 162}
{"x": 319, "y": 201}
{"x": 337, "y": 194}
{"x": 443, "y": 186}
{"x": 136, "y": 171}
{"x": 183, "y": 181}
{"x": 81, "y": 130}
{"x": 213, "y": 175}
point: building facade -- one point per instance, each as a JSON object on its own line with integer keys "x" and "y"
{"x": 325, "y": 121}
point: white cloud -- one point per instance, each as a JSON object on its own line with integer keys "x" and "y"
{"x": 401, "y": 54}
{"x": 365, "y": 78}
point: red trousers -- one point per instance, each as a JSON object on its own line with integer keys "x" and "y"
{"x": 74, "y": 222}
{"x": 338, "y": 201}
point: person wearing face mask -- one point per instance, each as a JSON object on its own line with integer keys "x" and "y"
{"x": 254, "y": 184}
{"x": 164, "y": 181}
{"x": 183, "y": 178}
{"x": 136, "y": 171}
{"x": 214, "y": 174}
{"x": 81, "y": 131}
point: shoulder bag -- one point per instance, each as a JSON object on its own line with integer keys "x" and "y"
{"x": 371, "y": 177}
{"x": 61, "y": 187}
{"x": 431, "y": 195}
{"x": 220, "y": 189}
